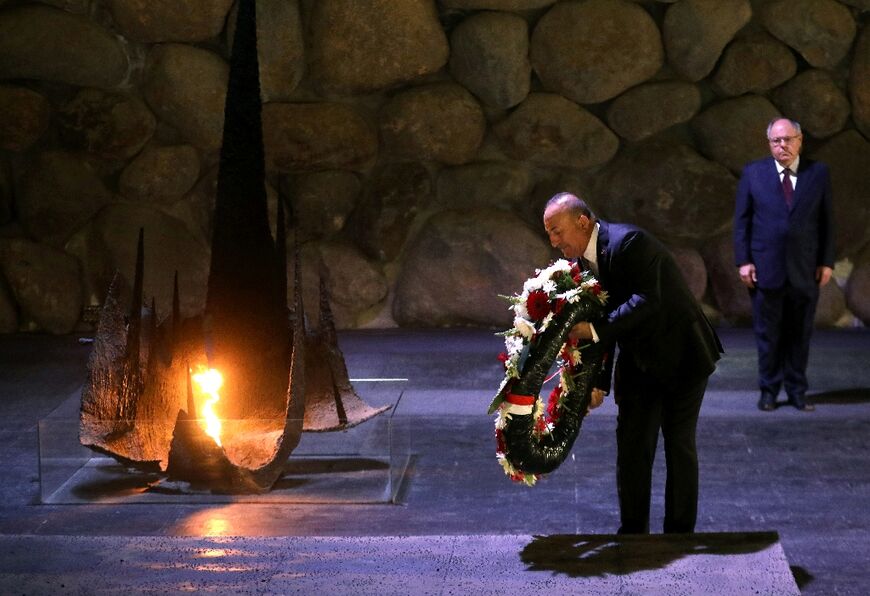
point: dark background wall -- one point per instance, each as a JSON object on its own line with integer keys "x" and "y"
{"x": 414, "y": 142}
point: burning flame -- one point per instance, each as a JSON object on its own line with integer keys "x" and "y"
{"x": 209, "y": 381}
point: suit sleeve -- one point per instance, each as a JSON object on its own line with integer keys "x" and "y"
{"x": 827, "y": 246}
{"x": 743, "y": 209}
{"x": 639, "y": 262}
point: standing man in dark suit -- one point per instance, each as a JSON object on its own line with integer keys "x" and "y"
{"x": 667, "y": 350}
{"x": 784, "y": 251}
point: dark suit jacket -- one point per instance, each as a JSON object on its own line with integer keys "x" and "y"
{"x": 653, "y": 317}
{"x": 784, "y": 245}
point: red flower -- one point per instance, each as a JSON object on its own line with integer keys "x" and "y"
{"x": 560, "y": 303}
{"x": 576, "y": 274}
{"x": 503, "y": 358}
{"x": 500, "y": 446}
{"x": 596, "y": 289}
{"x": 553, "y": 402}
{"x": 538, "y": 305}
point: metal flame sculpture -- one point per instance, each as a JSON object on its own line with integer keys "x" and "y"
{"x": 139, "y": 404}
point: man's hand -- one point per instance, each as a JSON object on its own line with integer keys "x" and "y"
{"x": 747, "y": 275}
{"x": 582, "y": 330}
{"x": 597, "y": 398}
{"x": 823, "y": 275}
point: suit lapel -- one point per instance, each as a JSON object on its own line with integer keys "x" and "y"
{"x": 805, "y": 180}
{"x": 603, "y": 252}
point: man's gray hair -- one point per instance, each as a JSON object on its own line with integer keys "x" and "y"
{"x": 794, "y": 123}
{"x": 574, "y": 204}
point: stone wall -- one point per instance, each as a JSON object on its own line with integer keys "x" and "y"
{"x": 414, "y": 142}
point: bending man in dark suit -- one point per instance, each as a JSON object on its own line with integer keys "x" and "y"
{"x": 667, "y": 350}
{"x": 784, "y": 251}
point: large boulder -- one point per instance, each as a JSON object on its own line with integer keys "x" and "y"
{"x": 731, "y": 296}
{"x": 696, "y": 31}
{"x": 669, "y": 189}
{"x": 152, "y": 21}
{"x": 321, "y": 202}
{"x": 822, "y": 31}
{"x": 848, "y": 157}
{"x": 356, "y": 284}
{"x": 517, "y": 5}
{"x": 816, "y": 101}
{"x": 8, "y": 310}
{"x": 650, "y": 108}
{"x": 38, "y": 42}
{"x": 110, "y": 125}
{"x": 831, "y": 306}
{"x": 169, "y": 248}
{"x": 45, "y": 282}
{"x": 440, "y": 122}
{"x": 489, "y": 55}
{"x": 732, "y": 132}
{"x": 755, "y": 63}
{"x": 486, "y": 184}
{"x": 691, "y": 263}
{"x": 305, "y": 137}
{"x": 858, "y": 292}
{"x": 575, "y": 55}
{"x": 859, "y": 83}
{"x": 77, "y": 6}
{"x": 186, "y": 86}
{"x": 280, "y": 47}
{"x": 24, "y": 116}
{"x": 391, "y": 200}
{"x": 7, "y": 193}
{"x": 360, "y": 47}
{"x": 459, "y": 264}
{"x": 196, "y": 209}
{"x": 551, "y": 130}
{"x": 160, "y": 174}
{"x": 59, "y": 193}
{"x": 863, "y": 5}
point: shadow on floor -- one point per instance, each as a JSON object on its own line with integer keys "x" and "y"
{"x": 594, "y": 556}
{"x": 801, "y": 576}
{"x": 843, "y": 396}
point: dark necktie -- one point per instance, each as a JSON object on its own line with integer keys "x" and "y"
{"x": 787, "y": 188}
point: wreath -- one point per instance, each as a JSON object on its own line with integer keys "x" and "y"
{"x": 533, "y": 439}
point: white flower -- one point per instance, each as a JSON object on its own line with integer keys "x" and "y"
{"x": 525, "y": 327}
{"x": 560, "y": 266}
{"x": 546, "y": 321}
{"x": 513, "y": 345}
{"x": 520, "y": 309}
{"x": 571, "y": 296}
{"x": 530, "y": 285}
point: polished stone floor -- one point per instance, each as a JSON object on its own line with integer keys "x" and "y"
{"x": 802, "y": 475}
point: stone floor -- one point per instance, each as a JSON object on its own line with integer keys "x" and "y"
{"x": 460, "y": 526}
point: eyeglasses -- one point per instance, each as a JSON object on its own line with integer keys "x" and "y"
{"x": 783, "y": 140}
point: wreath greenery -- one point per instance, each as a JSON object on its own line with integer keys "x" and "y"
{"x": 532, "y": 438}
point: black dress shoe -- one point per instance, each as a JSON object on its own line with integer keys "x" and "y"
{"x": 800, "y": 403}
{"x": 767, "y": 402}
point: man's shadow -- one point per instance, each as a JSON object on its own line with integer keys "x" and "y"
{"x": 597, "y": 556}
{"x": 855, "y": 395}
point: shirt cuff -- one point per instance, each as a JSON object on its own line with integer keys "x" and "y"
{"x": 594, "y": 333}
